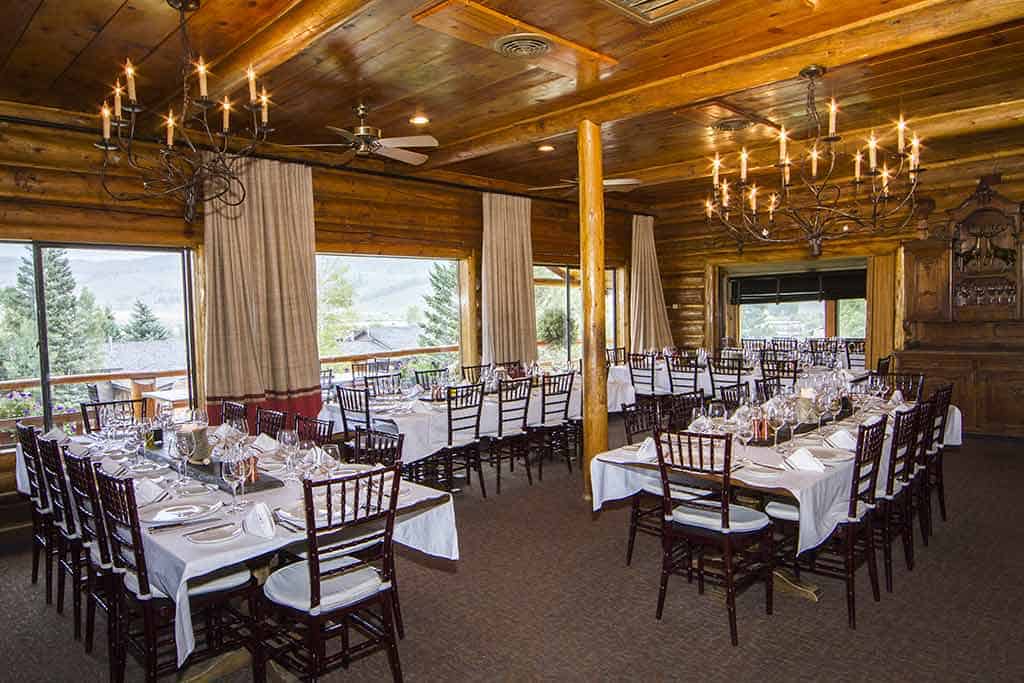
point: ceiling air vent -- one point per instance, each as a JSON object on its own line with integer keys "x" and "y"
{"x": 522, "y": 45}
{"x": 655, "y": 11}
{"x": 731, "y": 125}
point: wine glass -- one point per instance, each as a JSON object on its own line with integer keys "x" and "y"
{"x": 744, "y": 433}
{"x": 776, "y": 421}
{"x": 234, "y": 469}
{"x": 201, "y": 418}
{"x": 717, "y": 414}
{"x": 289, "y": 441}
{"x": 185, "y": 445}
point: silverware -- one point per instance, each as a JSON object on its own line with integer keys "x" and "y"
{"x": 209, "y": 528}
{"x": 162, "y": 497}
{"x": 287, "y": 524}
{"x": 177, "y": 525}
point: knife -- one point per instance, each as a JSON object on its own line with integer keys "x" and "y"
{"x": 209, "y": 528}
{"x": 177, "y": 525}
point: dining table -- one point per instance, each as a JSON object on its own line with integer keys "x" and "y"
{"x": 425, "y": 522}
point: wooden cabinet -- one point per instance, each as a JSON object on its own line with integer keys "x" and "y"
{"x": 926, "y": 265}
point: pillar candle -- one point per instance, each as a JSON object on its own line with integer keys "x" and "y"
{"x": 833, "y": 110}
{"x": 814, "y": 162}
{"x": 901, "y": 128}
{"x": 783, "y": 157}
{"x": 105, "y": 117}
{"x": 250, "y": 74}
{"x": 743, "y": 165}
{"x": 872, "y": 151}
{"x": 170, "y": 128}
{"x": 226, "y": 109}
{"x": 201, "y": 71}
{"x": 117, "y": 99}
{"x": 129, "y": 72}
{"x": 857, "y": 158}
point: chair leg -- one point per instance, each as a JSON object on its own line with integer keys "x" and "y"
{"x": 730, "y": 591}
{"x": 666, "y": 566}
{"x": 940, "y": 485}
{"x": 90, "y": 606}
{"x": 525, "y": 454}
{"x": 36, "y": 547}
{"x": 872, "y": 562}
{"x": 907, "y": 529}
{"x": 495, "y": 457}
{"x": 317, "y": 646}
{"x": 924, "y": 508}
{"x": 399, "y": 624}
{"x": 76, "y": 588}
{"x": 886, "y": 511}
{"x": 634, "y": 516}
{"x": 768, "y": 557}
{"x": 48, "y": 553}
{"x": 150, "y": 633}
{"x": 851, "y": 596}
{"x": 474, "y": 453}
{"x": 392, "y": 647}
{"x": 259, "y": 664}
{"x": 61, "y": 554}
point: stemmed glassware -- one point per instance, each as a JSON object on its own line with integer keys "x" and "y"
{"x": 234, "y": 469}
{"x": 289, "y": 441}
{"x": 185, "y": 445}
{"x": 775, "y": 414}
{"x": 745, "y": 433}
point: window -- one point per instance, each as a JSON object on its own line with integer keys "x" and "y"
{"x": 559, "y": 307}
{"x": 853, "y": 318}
{"x": 119, "y": 315}
{"x": 794, "y": 319}
{"x": 376, "y": 306}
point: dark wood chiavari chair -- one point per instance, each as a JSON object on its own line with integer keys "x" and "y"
{"x": 884, "y": 365}
{"x": 642, "y": 369}
{"x": 326, "y": 382}
{"x": 232, "y": 411}
{"x": 682, "y": 373}
{"x": 911, "y": 385}
{"x": 767, "y": 388}
{"x": 313, "y": 429}
{"x": 345, "y": 587}
{"x": 464, "y": 404}
{"x": 724, "y": 372}
{"x": 935, "y": 476}
{"x": 354, "y": 404}
{"x": 551, "y": 436}
{"x": 372, "y": 447}
{"x": 640, "y": 421}
{"x": 100, "y": 577}
{"x": 373, "y": 366}
{"x": 513, "y": 368}
{"x": 677, "y": 413}
{"x": 734, "y": 396}
{"x": 270, "y": 422}
{"x": 384, "y": 385}
{"x": 893, "y": 493}
{"x": 472, "y": 373}
{"x": 921, "y": 494}
{"x": 428, "y": 379}
{"x": 754, "y": 345}
{"x": 787, "y": 344}
{"x": 852, "y": 544}
{"x": 95, "y": 415}
{"x": 856, "y": 353}
{"x": 145, "y": 615}
{"x": 43, "y": 540}
{"x": 68, "y": 538}
{"x": 741, "y": 534}
{"x": 511, "y": 441}
{"x": 822, "y": 350}
{"x": 782, "y": 369}
{"x": 615, "y": 355}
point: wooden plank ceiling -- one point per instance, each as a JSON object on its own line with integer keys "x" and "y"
{"x": 956, "y": 66}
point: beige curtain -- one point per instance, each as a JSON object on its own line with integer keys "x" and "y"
{"x": 508, "y": 318}
{"x": 649, "y": 328}
{"x": 260, "y": 269}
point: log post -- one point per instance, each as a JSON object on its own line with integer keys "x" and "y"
{"x": 595, "y": 378}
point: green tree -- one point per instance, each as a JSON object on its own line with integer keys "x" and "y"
{"x": 853, "y": 315}
{"x": 441, "y": 326}
{"x": 335, "y": 305}
{"x": 144, "y": 325}
{"x": 551, "y": 327}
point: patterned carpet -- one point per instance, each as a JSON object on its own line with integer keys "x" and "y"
{"x": 542, "y": 593}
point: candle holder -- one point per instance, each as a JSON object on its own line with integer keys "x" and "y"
{"x": 204, "y": 103}
{"x": 133, "y": 107}
{"x": 106, "y": 145}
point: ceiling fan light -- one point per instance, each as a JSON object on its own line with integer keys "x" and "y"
{"x": 545, "y": 148}
{"x": 419, "y": 120}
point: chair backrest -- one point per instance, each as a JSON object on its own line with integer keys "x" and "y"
{"x": 884, "y": 365}
{"x": 514, "y": 404}
{"x": 682, "y": 373}
{"x": 472, "y": 373}
{"x": 734, "y": 396}
{"x": 927, "y": 421}
{"x": 97, "y": 414}
{"x": 313, "y": 429}
{"x": 677, "y": 411}
{"x": 781, "y": 369}
{"x": 464, "y": 406}
{"x": 910, "y": 384}
{"x": 903, "y": 447}
{"x": 354, "y": 404}
{"x": 856, "y": 352}
{"x": 555, "y": 395}
{"x": 753, "y": 344}
{"x": 373, "y": 366}
{"x": 36, "y": 479}
{"x": 943, "y": 397}
{"x": 326, "y": 377}
{"x": 767, "y": 388}
{"x": 350, "y": 514}
{"x": 724, "y": 371}
{"x": 513, "y": 368}
{"x": 822, "y": 351}
{"x": 121, "y": 519}
{"x": 94, "y": 392}
{"x": 870, "y": 440}
{"x": 86, "y": 498}
{"x": 789, "y": 344}
{"x": 270, "y": 422}
{"x": 639, "y": 419}
{"x": 694, "y": 453}
{"x": 428, "y": 379}
{"x": 615, "y": 355}
{"x": 56, "y": 482}
{"x": 384, "y": 385}
{"x": 373, "y": 447}
{"x": 641, "y": 372}
{"x": 232, "y": 411}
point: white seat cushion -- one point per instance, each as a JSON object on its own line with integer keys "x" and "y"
{"x": 896, "y": 490}
{"x": 220, "y": 583}
{"x": 289, "y": 585}
{"x": 862, "y": 509}
{"x": 776, "y": 510}
{"x": 741, "y": 519}
{"x": 679, "y": 492}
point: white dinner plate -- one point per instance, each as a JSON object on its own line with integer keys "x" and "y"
{"x": 193, "y": 489}
{"x": 217, "y": 535}
{"x": 832, "y": 454}
{"x": 180, "y": 511}
{"x": 754, "y": 472}
{"x": 270, "y": 466}
{"x": 146, "y": 467}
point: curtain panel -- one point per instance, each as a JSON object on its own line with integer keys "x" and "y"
{"x": 649, "y": 328}
{"x": 261, "y": 341}
{"x": 508, "y": 317}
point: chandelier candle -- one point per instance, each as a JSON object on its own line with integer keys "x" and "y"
{"x": 264, "y": 108}
{"x": 226, "y": 109}
{"x": 201, "y": 72}
{"x": 105, "y": 116}
{"x": 743, "y": 165}
{"x": 716, "y": 167}
{"x": 129, "y": 74}
{"x": 170, "y": 128}
{"x": 250, "y": 74}
{"x": 117, "y": 99}
{"x": 753, "y": 198}
{"x": 901, "y": 128}
{"x": 857, "y": 159}
{"x": 833, "y": 110}
{"x": 814, "y": 162}
{"x": 785, "y": 172}
{"x": 873, "y": 152}
{"x": 783, "y": 158}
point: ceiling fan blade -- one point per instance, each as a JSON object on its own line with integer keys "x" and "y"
{"x": 347, "y": 156}
{"x": 620, "y": 188}
{"x": 403, "y": 155}
{"x": 551, "y": 187}
{"x": 409, "y": 141}
{"x": 324, "y": 144}
{"x": 622, "y": 181}
{"x": 343, "y": 133}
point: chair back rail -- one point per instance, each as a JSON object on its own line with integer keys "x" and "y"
{"x": 86, "y": 498}
{"x": 465, "y": 404}
{"x": 314, "y": 429}
{"x": 270, "y": 422}
{"x": 903, "y": 448}
{"x": 767, "y": 388}
{"x": 788, "y": 344}
{"x": 96, "y": 414}
{"x": 232, "y": 411}
{"x": 943, "y": 397}
{"x": 856, "y": 353}
{"x": 354, "y": 404}
{"x": 384, "y": 385}
{"x": 695, "y": 453}
{"x": 472, "y": 373}
{"x": 639, "y": 420}
{"x": 555, "y": 395}
{"x": 884, "y": 365}
{"x": 783, "y": 369}
{"x": 428, "y": 379}
{"x": 910, "y": 384}
{"x": 373, "y": 447}
{"x": 870, "y": 441}
{"x": 734, "y": 396}
{"x": 724, "y": 371}
{"x": 514, "y": 404}
{"x": 754, "y": 345}
{"x": 615, "y": 355}
{"x": 30, "y": 454}
{"x": 682, "y": 373}
{"x": 121, "y": 517}
{"x": 677, "y": 413}
{"x": 55, "y": 476}
{"x": 641, "y": 372}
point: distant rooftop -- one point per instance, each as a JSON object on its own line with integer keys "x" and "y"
{"x": 377, "y": 338}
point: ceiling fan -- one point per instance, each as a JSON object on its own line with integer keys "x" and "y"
{"x": 364, "y": 140}
{"x": 610, "y": 184}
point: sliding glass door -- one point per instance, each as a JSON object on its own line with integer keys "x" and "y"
{"x": 558, "y": 300}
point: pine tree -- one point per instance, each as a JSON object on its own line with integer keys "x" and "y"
{"x": 144, "y": 325}
{"x": 335, "y": 305}
{"x": 441, "y": 327}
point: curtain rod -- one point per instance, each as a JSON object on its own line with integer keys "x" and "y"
{"x": 6, "y": 118}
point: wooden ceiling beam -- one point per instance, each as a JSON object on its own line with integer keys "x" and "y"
{"x": 899, "y": 29}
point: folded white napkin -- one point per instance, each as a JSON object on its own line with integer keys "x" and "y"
{"x": 260, "y": 521}
{"x": 224, "y": 431}
{"x": 842, "y": 439}
{"x": 413, "y": 393}
{"x": 55, "y": 434}
{"x": 265, "y": 443}
{"x": 897, "y": 397}
{"x": 78, "y": 449}
{"x": 648, "y": 451}
{"x": 146, "y": 492}
{"x": 802, "y": 459}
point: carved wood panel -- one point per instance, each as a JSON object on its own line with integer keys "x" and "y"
{"x": 927, "y": 271}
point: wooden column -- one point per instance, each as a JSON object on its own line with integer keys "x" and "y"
{"x": 469, "y": 308}
{"x": 595, "y": 378}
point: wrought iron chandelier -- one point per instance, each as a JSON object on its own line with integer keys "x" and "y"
{"x": 813, "y": 204}
{"x": 196, "y": 163}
